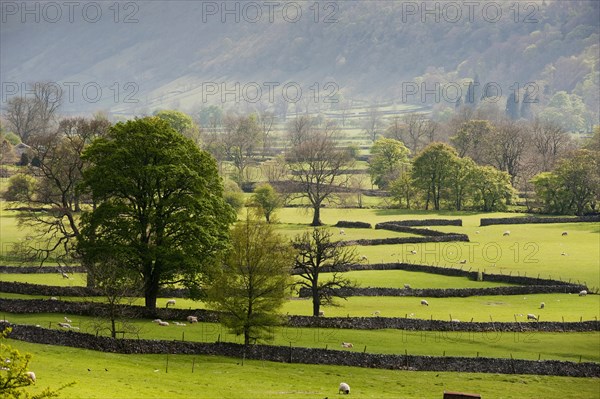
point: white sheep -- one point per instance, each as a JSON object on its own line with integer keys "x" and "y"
{"x": 342, "y": 232}
{"x": 156, "y": 321}
{"x": 542, "y": 305}
{"x": 31, "y": 376}
{"x": 455, "y": 321}
{"x": 413, "y": 252}
{"x": 170, "y": 302}
{"x": 583, "y": 293}
{"x": 192, "y": 319}
{"x": 564, "y": 233}
{"x": 376, "y": 313}
{"x": 347, "y": 345}
{"x": 68, "y": 320}
{"x": 407, "y": 286}
{"x": 424, "y": 302}
{"x": 53, "y": 298}
{"x": 344, "y": 388}
{"x": 477, "y": 232}
{"x": 65, "y": 275}
{"x": 506, "y": 233}
{"x": 321, "y": 313}
{"x": 163, "y": 323}
{"x": 531, "y": 316}
{"x": 64, "y": 325}
{"x": 563, "y": 254}
{"x": 179, "y": 324}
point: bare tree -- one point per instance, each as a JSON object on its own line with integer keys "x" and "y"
{"x": 549, "y": 139}
{"x": 318, "y": 254}
{"x": 373, "y": 123}
{"x": 318, "y": 167}
{"x": 34, "y": 113}
{"x": 299, "y": 129}
{"x": 52, "y": 207}
{"x": 240, "y": 138}
{"x": 505, "y": 148}
{"x": 418, "y": 129}
{"x": 265, "y": 122}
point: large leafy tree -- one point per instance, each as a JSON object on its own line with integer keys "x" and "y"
{"x": 254, "y": 279}
{"x": 432, "y": 170}
{"x": 318, "y": 254}
{"x": 389, "y": 158}
{"x": 492, "y": 188}
{"x": 158, "y": 208}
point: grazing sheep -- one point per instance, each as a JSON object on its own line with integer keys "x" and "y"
{"x": 342, "y": 232}
{"x": 462, "y": 262}
{"x": 531, "y": 316}
{"x": 347, "y": 345}
{"x": 563, "y": 254}
{"x": 179, "y": 324}
{"x": 163, "y": 323}
{"x": 53, "y": 298}
{"x": 376, "y": 313}
{"x": 542, "y": 305}
{"x": 583, "y": 293}
{"x": 407, "y": 286}
{"x": 344, "y": 388}
{"x": 170, "y": 302}
{"x": 68, "y": 320}
{"x": 564, "y": 233}
{"x": 455, "y": 321}
{"x": 413, "y": 252}
{"x": 64, "y": 325}
{"x": 321, "y": 313}
{"x": 424, "y": 302}
{"x": 192, "y": 319}
{"x": 31, "y": 376}
{"x": 156, "y": 321}
{"x": 506, "y": 233}
{"x": 477, "y": 232}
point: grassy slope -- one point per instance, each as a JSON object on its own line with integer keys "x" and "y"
{"x": 134, "y": 376}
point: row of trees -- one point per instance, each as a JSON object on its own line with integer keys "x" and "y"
{"x": 438, "y": 176}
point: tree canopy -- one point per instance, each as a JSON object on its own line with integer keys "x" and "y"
{"x": 159, "y": 209}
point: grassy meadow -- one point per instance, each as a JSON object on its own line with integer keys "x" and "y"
{"x": 113, "y": 375}
{"x": 530, "y": 250}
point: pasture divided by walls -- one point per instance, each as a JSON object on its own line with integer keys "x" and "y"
{"x": 304, "y": 355}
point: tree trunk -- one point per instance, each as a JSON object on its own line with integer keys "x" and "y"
{"x": 151, "y": 293}
{"x": 316, "y": 216}
{"x": 316, "y": 302}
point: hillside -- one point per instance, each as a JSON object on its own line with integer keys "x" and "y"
{"x": 369, "y": 49}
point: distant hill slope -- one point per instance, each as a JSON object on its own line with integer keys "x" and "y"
{"x": 369, "y": 49}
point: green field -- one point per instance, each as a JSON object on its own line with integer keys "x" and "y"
{"x": 530, "y": 249}
{"x": 146, "y": 376}
{"x": 525, "y": 345}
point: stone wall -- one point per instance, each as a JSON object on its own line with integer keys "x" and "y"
{"x": 50, "y": 290}
{"x": 35, "y": 306}
{"x": 407, "y": 240}
{"x": 44, "y": 269}
{"x": 353, "y": 225}
{"x": 427, "y": 222}
{"x": 451, "y": 292}
{"x": 457, "y": 272}
{"x": 305, "y": 355}
{"x": 530, "y": 220}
